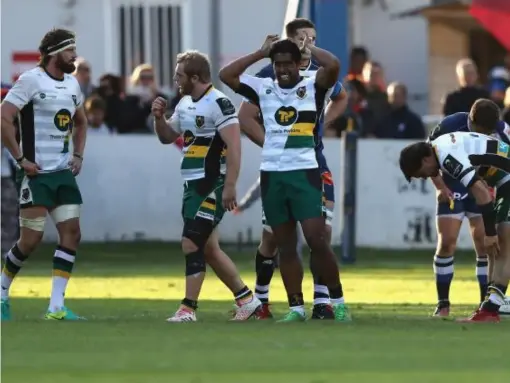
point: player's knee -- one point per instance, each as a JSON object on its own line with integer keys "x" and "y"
{"x": 31, "y": 233}
{"x": 446, "y": 245}
{"x": 195, "y": 263}
{"x": 69, "y": 233}
{"x": 318, "y": 244}
{"x": 195, "y": 235}
{"x": 267, "y": 245}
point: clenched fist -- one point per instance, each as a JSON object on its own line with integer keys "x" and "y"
{"x": 159, "y": 107}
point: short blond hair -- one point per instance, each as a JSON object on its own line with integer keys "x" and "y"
{"x": 195, "y": 64}
{"x": 134, "y": 79}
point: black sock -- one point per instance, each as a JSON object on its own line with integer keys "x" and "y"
{"x": 296, "y": 300}
{"x": 320, "y": 290}
{"x": 337, "y": 292}
{"x": 264, "y": 268}
{"x": 190, "y": 303}
{"x": 243, "y": 293}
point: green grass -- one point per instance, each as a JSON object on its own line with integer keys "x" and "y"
{"x": 128, "y": 290}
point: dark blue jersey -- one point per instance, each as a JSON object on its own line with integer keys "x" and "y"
{"x": 268, "y": 72}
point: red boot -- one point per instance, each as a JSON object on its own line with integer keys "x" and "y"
{"x": 481, "y": 316}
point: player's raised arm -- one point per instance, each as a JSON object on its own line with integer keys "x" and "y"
{"x": 167, "y": 130}
{"x": 327, "y": 75}
{"x": 230, "y": 74}
{"x": 336, "y": 105}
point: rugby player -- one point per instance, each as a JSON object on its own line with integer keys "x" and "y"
{"x": 453, "y": 204}
{"x": 291, "y": 181}
{"x": 474, "y": 159}
{"x": 208, "y": 122}
{"x": 49, "y": 102}
{"x": 250, "y": 124}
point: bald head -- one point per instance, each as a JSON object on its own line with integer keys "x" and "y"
{"x": 467, "y": 72}
{"x": 397, "y": 94}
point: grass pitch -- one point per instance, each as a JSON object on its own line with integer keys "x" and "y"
{"x": 127, "y": 290}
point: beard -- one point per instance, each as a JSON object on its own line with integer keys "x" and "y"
{"x": 66, "y": 67}
{"x": 186, "y": 89}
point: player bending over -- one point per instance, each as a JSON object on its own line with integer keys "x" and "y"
{"x": 49, "y": 102}
{"x": 473, "y": 159}
{"x": 250, "y": 124}
{"x": 290, "y": 176}
{"x": 453, "y": 204}
{"x": 208, "y": 121}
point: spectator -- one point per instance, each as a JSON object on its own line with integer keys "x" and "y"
{"x": 142, "y": 90}
{"x": 462, "y": 99}
{"x": 357, "y": 60}
{"x": 357, "y": 116}
{"x": 499, "y": 80}
{"x": 82, "y": 74}
{"x": 95, "y": 108}
{"x": 401, "y": 122}
{"x": 110, "y": 90}
{"x": 377, "y": 99}
{"x": 506, "y": 111}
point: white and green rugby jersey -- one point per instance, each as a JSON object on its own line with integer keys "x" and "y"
{"x": 200, "y": 122}
{"x": 47, "y": 107}
{"x": 291, "y": 118}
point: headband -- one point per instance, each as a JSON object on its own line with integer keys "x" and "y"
{"x": 61, "y": 46}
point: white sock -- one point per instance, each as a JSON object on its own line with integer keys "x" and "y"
{"x": 320, "y": 295}
{"x": 60, "y": 278}
{"x": 8, "y": 277}
{"x": 338, "y": 301}
{"x": 299, "y": 309}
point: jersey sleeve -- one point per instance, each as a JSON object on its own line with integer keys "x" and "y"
{"x": 224, "y": 113}
{"x": 456, "y": 163}
{"x": 22, "y": 92}
{"x": 249, "y": 88}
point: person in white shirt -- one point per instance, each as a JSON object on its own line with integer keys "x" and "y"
{"x": 48, "y": 100}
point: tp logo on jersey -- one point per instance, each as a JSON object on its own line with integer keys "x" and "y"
{"x": 286, "y": 115}
{"x": 63, "y": 120}
{"x": 503, "y": 149}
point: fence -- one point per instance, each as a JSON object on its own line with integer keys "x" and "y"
{"x": 132, "y": 190}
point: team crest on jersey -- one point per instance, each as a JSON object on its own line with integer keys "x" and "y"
{"x": 452, "y": 166}
{"x": 301, "y": 92}
{"x": 199, "y": 122}
{"x": 286, "y": 115}
{"x": 42, "y": 96}
{"x": 63, "y": 120}
{"x": 188, "y": 138}
{"x": 75, "y": 100}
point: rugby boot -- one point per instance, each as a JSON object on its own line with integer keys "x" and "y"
{"x": 6, "y": 309}
{"x": 323, "y": 311}
{"x": 183, "y": 314}
{"x": 246, "y": 310}
{"x": 342, "y": 313}
{"x": 504, "y": 309}
{"x": 442, "y": 310}
{"x": 481, "y": 316}
{"x": 264, "y": 312}
{"x": 293, "y": 316}
{"x": 63, "y": 314}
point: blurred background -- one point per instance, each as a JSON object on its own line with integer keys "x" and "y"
{"x": 405, "y": 64}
